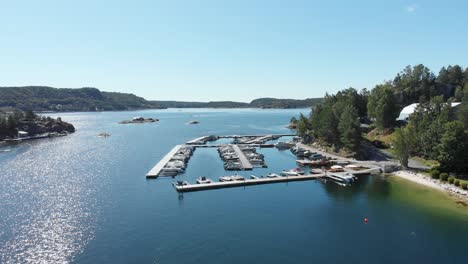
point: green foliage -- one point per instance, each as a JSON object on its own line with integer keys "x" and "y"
{"x": 284, "y": 103}
{"x": 456, "y": 182}
{"x": 335, "y": 121}
{"x": 451, "y": 179}
{"x": 443, "y": 176}
{"x": 452, "y": 150}
{"x": 349, "y": 128}
{"x": 403, "y": 142}
{"x": 40, "y": 98}
{"x": 382, "y": 106}
{"x": 464, "y": 186}
{"x": 463, "y": 109}
{"x": 435, "y": 174}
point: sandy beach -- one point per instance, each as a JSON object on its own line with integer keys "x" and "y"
{"x": 436, "y": 184}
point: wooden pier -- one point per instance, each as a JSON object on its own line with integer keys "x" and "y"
{"x": 246, "y": 182}
{"x": 153, "y": 173}
{"x": 246, "y": 165}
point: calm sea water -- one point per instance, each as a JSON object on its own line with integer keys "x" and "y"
{"x": 85, "y": 199}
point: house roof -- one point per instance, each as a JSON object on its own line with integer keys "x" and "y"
{"x": 408, "y": 110}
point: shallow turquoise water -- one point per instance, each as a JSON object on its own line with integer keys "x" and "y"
{"x": 85, "y": 199}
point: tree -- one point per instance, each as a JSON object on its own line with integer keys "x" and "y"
{"x": 349, "y": 127}
{"x": 29, "y": 115}
{"x": 382, "y": 106}
{"x": 463, "y": 110}
{"x": 453, "y": 154}
{"x": 403, "y": 142}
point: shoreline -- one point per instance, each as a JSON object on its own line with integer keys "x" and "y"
{"x": 450, "y": 189}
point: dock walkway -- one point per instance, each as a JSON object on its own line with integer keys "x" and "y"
{"x": 247, "y": 182}
{"x": 153, "y": 173}
{"x": 246, "y": 165}
{"x": 197, "y": 141}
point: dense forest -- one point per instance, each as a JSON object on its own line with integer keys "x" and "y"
{"x": 42, "y": 98}
{"x": 435, "y": 131}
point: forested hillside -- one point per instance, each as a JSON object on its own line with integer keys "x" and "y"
{"x": 43, "y": 98}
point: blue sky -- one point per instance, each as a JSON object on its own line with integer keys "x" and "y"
{"x": 225, "y": 50}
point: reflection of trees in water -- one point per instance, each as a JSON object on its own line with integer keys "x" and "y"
{"x": 374, "y": 186}
{"x": 379, "y": 188}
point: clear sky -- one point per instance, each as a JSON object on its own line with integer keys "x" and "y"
{"x": 225, "y": 50}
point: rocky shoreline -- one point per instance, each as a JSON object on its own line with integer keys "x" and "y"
{"x": 455, "y": 192}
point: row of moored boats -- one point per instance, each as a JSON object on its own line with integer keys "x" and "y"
{"x": 178, "y": 162}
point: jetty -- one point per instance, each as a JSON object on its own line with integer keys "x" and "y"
{"x": 154, "y": 172}
{"x": 246, "y": 165}
{"x": 246, "y": 182}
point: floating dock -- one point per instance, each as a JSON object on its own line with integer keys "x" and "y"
{"x": 198, "y": 141}
{"x": 246, "y": 182}
{"x": 153, "y": 173}
{"x": 262, "y": 139}
{"x": 246, "y": 165}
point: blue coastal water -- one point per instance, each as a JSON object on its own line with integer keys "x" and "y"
{"x": 85, "y": 199}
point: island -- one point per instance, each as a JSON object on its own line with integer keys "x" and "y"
{"x": 18, "y": 125}
{"x": 139, "y": 120}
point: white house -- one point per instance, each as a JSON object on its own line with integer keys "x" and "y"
{"x": 408, "y": 110}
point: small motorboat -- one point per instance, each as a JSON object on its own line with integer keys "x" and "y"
{"x": 253, "y": 177}
{"x": 237, "y": 178}
{"x": 225, "y": 179}
{"x": 203, "y": 180}
{"x": 180, "y": 183}
{"x": 273, "y": 175}
{"x": 293, "y": 172}
{"x": 336, "y": 168}
{"x": 284, "y": 145}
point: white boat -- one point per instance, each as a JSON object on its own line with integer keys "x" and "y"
{"x": 253, "y": 177}
{"x": 225, "y": 178}
{"x": 273, "y": 175}
{"x": 284, "y": 145}
{"x": 342, "y": 178}
{"x": 203, "y": 180}
{"x": 293, "y": 172}
{"x": 237, "y": 178}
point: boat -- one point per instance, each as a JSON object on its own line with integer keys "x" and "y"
{"x": 225, "y": 179}
{"x": 346, "y": 179}
{"x": 316, "y": 157}
{"x": 293, "y": 172}
{"x": 284, "y": 145}
{"x": 253, "y": 177}
{"x": 180, "y": 183}
{"x": 272, "y": 175}
{"x": 336, "y": 168}
{"x": 237, "y": 178}
{"x": 203, "y": 180}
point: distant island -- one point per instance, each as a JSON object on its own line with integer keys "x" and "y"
{"x": 18, "y": 125}
{"x": 44, "y": 98}
{"x": 139, "y": 120}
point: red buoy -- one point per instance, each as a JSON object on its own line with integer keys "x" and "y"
{"x": 366, "y": 220}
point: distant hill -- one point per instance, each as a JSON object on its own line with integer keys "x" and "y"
{"x": 218, "y": 104}
{"x": 284, "y": 103}
{"x": 44, "y": 98}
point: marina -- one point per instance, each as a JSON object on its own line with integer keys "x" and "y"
{"x": 243, "y": 156}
